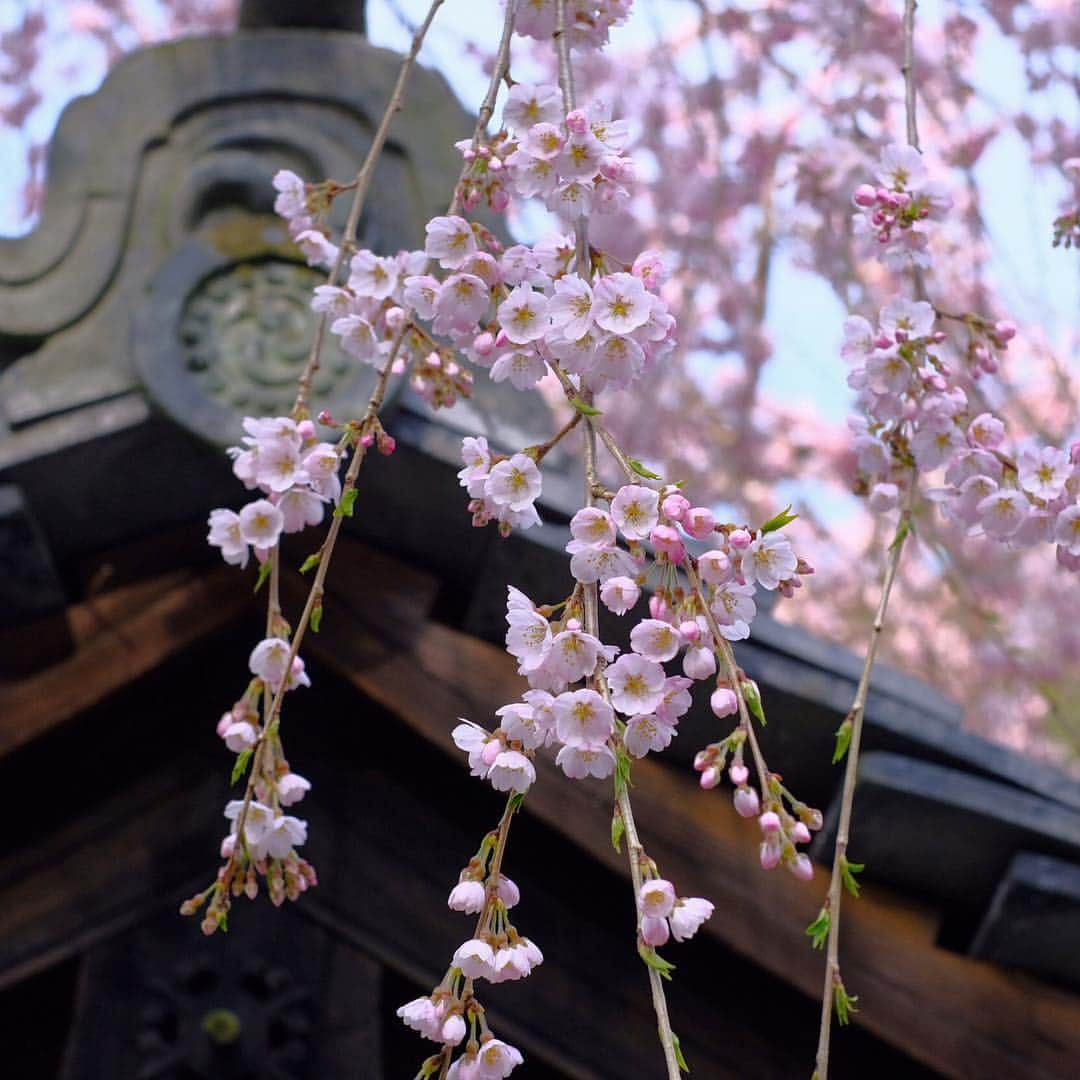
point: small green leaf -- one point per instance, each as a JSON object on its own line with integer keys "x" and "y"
{"x": 584, "y": 407}
{"x": 316, "y": 618}
{"x": 677, "y": 1047}
{"x": 903, "y": 531}
{"x": 818, "y": 930}
{"x": 845, "y": 1004}
{"x": 311, "y": 562}
{"x": 240, "y": 766}
{"x": 654, "y": 960}
{"x": 785, "y": 517}
{"x": 843, "y": 740}
{"x": 345, "y": 507}
{"x": 264, "y": 573}
{"x": 753, "y": 702}
{"x": 223, "y": 921}
{"x": 622, "y": 771}
{"x": 618, "y": 829}
{"x": 641, "y": 470}
{"x": 848, "y": 870}
{"x": 515, "y": 801}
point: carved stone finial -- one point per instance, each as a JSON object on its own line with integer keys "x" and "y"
{"x": 303, "y": 15}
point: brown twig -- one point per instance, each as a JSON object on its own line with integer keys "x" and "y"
{"x": 360, "y": 186}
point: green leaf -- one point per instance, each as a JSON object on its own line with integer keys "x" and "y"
{"x": 845, "y": 1004}
{"x": 818, "y": 930}
{"x": 753, "y": 702}
{"x": 622, "y": 771}
{"x": 848, "y": 870}
{"x": 618, "y": 829}
{"x": 843, "y": 740}
{"x": 641, "y": 470}
{"x": 311, "y": 562}
{"x": 903, "y": 531}
{"x": 654, "y": 960}
{"x": 677, "y": 1047}
{"x": 584, "y": 407}
{"x": 316, "y": 618}
{"x": 240, "y": 766}
{"x": 785, "y": 517}
{"x": 264, "y": 573}
{"x": 223, "y": 921}
{"x": 345, "y": 507}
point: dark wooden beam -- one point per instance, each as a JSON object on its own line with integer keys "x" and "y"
{"x": 120, "y": 636}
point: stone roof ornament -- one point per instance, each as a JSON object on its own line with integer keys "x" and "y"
{"x": 303, "y": 15}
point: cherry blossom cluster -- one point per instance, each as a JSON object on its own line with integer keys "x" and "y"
{"x": 298, "y": 476}
{"x": 638, "y": 707}
{"x": 573, "y": 161}
{"x": 262, "y": 837}
{"x": 915, "y": 415}
{"x": 895, "y": 212}
{"x": 500, "y": 489}
{"x": 451, "y": 1014}
{"x": 589, "y": 21}
{"x": 524, "y": 312}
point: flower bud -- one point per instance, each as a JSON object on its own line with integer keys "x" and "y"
{"x": 802, "y": 867}
{"x": 674, "y": 507}
{"x": 769, "y": 854}
{"x": 769, "y": 822}
{"x": 699, "y": 663}
{"x": 740, "y": 539}
{"x": 723, "y": 702}
{"x": 746, "y": 802}
{"x": 715, "y": 567}
{"x": 699, "y": 522}
{"x": 711, "y": 777}
{"x": 738, "y": 773}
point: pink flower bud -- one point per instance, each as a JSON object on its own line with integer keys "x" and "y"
{"x": 702, "y": 759}
{"x": 699, "y": 663}
{"x": 738, "y": 773}
{"x": 690, "y": 631}
{"x": 657, "y": 607}
{"x": 306, "y": 430}
{"x": 573, "y": 625}
{"x": 740, "y": 539}
{"x": 666, "y": 539}
{"x": 802, "y": 867}
{"x": 699, "y": 522}
{"x": 484, "y": 344}
{"x": 577, "y": 123}
{"x": 769, "y": 855}
{"x": 711, "y": 776}
{"x": 747, "y": 803}
{"x": 715, "y": 567}
{"x": 1005, "y": 330}
{"x": 469, "y": 154}
{"x": 864, "y": 196}
{"x": 769, "y": 822}
{"x": 675, "y": 506}
{"x": 800, "y": 834}
{"x": 723, "y": 702}
{"x": 654, "y": 931}
{"x": 499, "y": 199}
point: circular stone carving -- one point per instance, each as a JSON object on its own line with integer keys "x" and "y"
{"x": 225, "y": 335}
{"x": 245, "y": 335}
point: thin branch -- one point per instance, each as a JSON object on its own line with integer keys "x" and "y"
{"x": 908, "y": 69}
{"x": 362, "y": 185}
{"x": 847, "y": 798}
